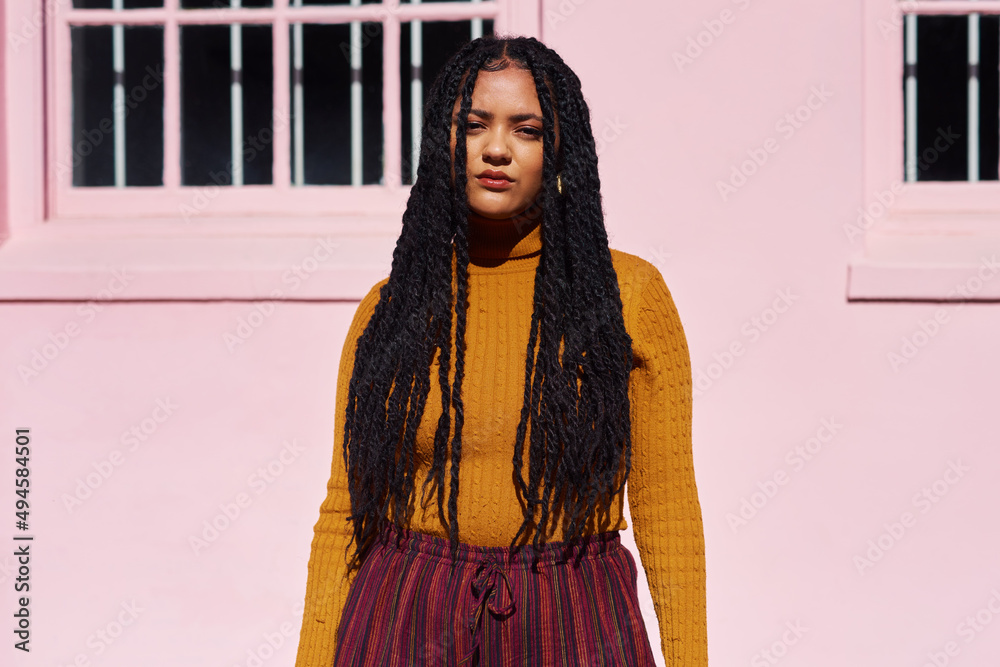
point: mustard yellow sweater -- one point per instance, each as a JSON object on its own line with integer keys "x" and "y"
{"x": 663, "y": 497}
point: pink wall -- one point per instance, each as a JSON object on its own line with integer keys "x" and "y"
{"x": 3, "y": 133}
{"x": 763, "y": 272}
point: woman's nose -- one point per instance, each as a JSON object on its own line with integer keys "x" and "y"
{"x": 496, "y": 147}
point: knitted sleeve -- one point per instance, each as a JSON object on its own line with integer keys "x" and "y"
{"x": 328, "y": 581}
{"x": 663, "y": 497}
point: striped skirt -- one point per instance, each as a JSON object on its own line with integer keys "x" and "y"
{"x": 570, "y": 604}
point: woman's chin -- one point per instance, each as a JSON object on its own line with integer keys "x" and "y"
{"x": 493, "y": 213}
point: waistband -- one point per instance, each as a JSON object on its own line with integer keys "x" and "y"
{"x": 552, "y": 553}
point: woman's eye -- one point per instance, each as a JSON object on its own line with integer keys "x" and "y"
{"x": 532, "y": 131}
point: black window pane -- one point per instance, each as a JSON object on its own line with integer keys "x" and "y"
{"x": 205, "y": 104}
{"x": 326, "y": 100}
{"x": 93, "y": 96}
{"x": 258, "y": 105}
{"x": 143, "y": 89}
{"x": 942, "y": 98}
{"x": 371, "y": 101}
{"x": 140, "y": 116}
{"x": 989, "y": 97}
{"x": 206, "y": 110}
{"x": 441, "y": 39}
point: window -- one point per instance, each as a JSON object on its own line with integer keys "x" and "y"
{"x": 930, "y": 217}
{"x": 257, "y": 98}
{"x": 210, "y": 145}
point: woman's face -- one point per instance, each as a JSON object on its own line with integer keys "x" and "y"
{"x": 504, "y": 140}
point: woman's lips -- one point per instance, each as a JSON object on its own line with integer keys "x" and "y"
{"x": 494, "y": 183}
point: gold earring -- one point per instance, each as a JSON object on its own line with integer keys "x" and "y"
{"x": 559, "y": 182}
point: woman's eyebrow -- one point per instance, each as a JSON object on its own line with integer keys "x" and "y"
{"x": 515, "y": 118}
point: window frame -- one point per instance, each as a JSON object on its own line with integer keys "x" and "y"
{"x": 59, "y": 247}
{"x": 924, "y": 239}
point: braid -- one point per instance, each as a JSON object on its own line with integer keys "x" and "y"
{"x": 578, "y": 356}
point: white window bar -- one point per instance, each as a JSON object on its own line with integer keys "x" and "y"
{"x": 281, "y": 104}
{"x": 973, "y": 97}
{"x": 911, "y": 97}
{"x": 416, "y": 91}
{"x": 392, "y": 121}
{"x": 236, "y": 96}
{"x": 298, "y": 129}
{"x": 477, "y": 25}
{"x": 171, "y": 96}
{"x": 356, "y": 109}
{"x": 118, "y": 110}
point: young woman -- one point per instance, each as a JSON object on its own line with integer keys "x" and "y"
{"x": 522, "y": 371}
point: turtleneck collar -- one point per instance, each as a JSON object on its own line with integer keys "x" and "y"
{"x": 493, "y": 243}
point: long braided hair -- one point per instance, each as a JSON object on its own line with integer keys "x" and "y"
{"x": 579, "y": 354}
